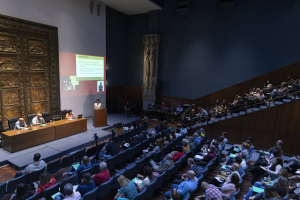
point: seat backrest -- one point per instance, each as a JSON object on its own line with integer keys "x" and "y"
{"x": 79, "y": 155}
{"x": 34, "y": 176}
{"x": 46, "y": 116}
{"x": 92, "y": 195}
{"x": 205, "y": 171}
{"x": 141, "y": 195}
{"x": 80, "y": 175}
{"x": 30, "y": 117}
{"x": 12, "y": 123}
{"x": 2, "y": 189}
{"x": 104, "y": 189}
{"x": 130, "y": 170}
{"x": 147, "y": 159}
{"x": 53, "y": 166}
{"x": 111, "y": 162}
{"x": 156, "y": 156}
{"x": 120, "y": 157}
{"x": 96, "y": 169}
{"x": 67, "y": 161}
{"x": 150, "y": 189}
{"x": 139, "y": 165}
{"x": 160, "y": 180}
{"x": 71, "y": 179}
{"x": 178, "y": 164}
{"x": 1, "y": 126}
{"x": 186, "y": 196}
{"x": 34, "y": 197}
{"x": 169, "y": 173}
{"x": 137, "y": 149}
{"x": 12, "y": 184}
{"x": 47, "y": 193}
{"x": 63, "y": 114}
{"x": 115, "y": 184}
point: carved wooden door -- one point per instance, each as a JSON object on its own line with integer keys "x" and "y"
{"x": 28, "y": 61}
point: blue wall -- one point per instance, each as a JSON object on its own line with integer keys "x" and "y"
{"x": 210, "y": 49}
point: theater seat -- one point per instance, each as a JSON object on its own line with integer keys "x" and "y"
{"x": 92, "y": 195}
{"x": 12, "y": 123}
{"x": 2, "y": 189}
{"x": 140, "y": 196}
{"x": 150, "y": 189}
{"x": 71, "y": 179}
{"x": 104, "y": 189}
{"x": 12, "y": 184}
{"x": 46, "y": 117}
{"x": 30, "y": 117}
{"x": 47, "y": 193}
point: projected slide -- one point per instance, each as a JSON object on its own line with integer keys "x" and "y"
{"x": 81, "y": 74}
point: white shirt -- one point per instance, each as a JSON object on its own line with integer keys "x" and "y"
{"x": 97, "y": 105}
{"x": 75, "y": 196}
{"x": 145, "y": 182}
{"x": 243, "y": 164}
{"x": 277, "y": 168}
{"x": 35, "y": 120}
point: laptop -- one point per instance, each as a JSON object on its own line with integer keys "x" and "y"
{"x": 80, "y": 116}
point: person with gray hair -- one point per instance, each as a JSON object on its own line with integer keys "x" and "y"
{"x": 168, "y": 162}
{"x": 103, "y": 176}
{"x": 211, "y": 192}
{"x": 185, "y": 145}
{"x": 70, "y": 194}
{"x": 193, "y": 167}
{"x": 21, "y": 124}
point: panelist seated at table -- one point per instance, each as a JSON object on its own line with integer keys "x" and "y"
{"x": 37, "y": 120}
{"x": 97, "y": 105}
{"x": 21, "y": 124}
{"x": 70, "y": 115}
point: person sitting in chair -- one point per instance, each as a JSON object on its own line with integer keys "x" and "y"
{"x": 37, "y": 120}
{"x": 35, "y": 166}
{"x": 70, "y": 115}
{"x": 21, "y": 124}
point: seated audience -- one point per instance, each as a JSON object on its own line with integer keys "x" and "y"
{"x": 183, "y": 130}
{"x": 103, "y": 176}
{"x": 168, "y": 162}
{"x": 87, "y": 184}
{"x": 211, "y": 192}
{"x": 46, "y": 181}
{"x": 21, "y": 124}
{"x": 209, "y": 156}
{"x": 185, "y": 145}
{"x": 172, "y": 133}
{"x": 230, "y": 187}
{"x": 127, "y": 190}
{"x": 147, "y": 178}
{"x": 177, "y": 153}
{"x": 157, "y": 128}
{"x": 85, "y": 164}
{"x": 196, "y": 139}
{"x": 112, "y": 148}
{"x": 135, "y": 141}
{"x": 37, "y": 120}
{"x": 193, "y": 167}
{"x": 22, "y": 192}
{"x": 70, "y": 194}
{"x": 35, "y": 166}
{"x": 179, "y": 109}
{"x": 175, "y": 195}
{"x": 187, "y": 186}
{"x": 143, "y": 136}
{"x": 191, "y": 142}
{"x": 269, "y": 193}
{"x": 159, "y": 145}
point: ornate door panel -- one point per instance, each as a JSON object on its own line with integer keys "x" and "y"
{"x": 29, "y": 73}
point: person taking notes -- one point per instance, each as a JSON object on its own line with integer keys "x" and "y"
{"x": 20, "y": 124}
{"x": 37, "y": 120}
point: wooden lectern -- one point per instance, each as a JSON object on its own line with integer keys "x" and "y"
{"x": 100, "y": 117}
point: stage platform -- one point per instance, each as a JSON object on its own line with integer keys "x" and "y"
{"x": 55, "y": 149}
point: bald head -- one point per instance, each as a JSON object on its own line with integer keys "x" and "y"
{"x": 21, "y": 120}
{"x": 39, "y": 115}
{"x": 190, "y": 175}
{"x": 204, "y": 185}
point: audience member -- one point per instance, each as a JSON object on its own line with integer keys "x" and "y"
{"x": 211, "y": 192}
{"x": 127, "y": 190}
{"x": 185, "y": 145}
{"x": 35, "y": 166}
{"x": 193, "y": 167}
{"x": 147, "y": 178}
{"x": 85, "y": 164}
{"x": 22, "y": 192}
{"x": 197, "y": 140}
{"x": 112, "y": 148}
{"x": 46, "y": 181}
{"x": 230, "y": 187}
{"x": 87, "y": 184}
{"x": 189, "y": 185}
{"x": 168, "y": 162}
{"x": 177, "y": 153}
{"x": 103, "y": 176}
{"x": 70, "y": 194}
{"x": 21, "y": 124}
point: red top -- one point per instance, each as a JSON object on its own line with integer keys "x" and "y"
{"x": 177, "y": 156}
{"x": 208, "y": 157}
{"x": 101, "y": 177}
{"x": 162, "y": 107}
{"x": 47, "y": 185}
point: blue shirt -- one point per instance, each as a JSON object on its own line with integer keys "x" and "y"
{"x": 80, "y": 168}
{"x": 203, "y": 113}
{"x": 129, "y": 191}
{"x": 183, "y": 131}
{"x": 83, "y": 189}
{"x": 18, "y": 125}
{"x": 241, "y": 170}
{"x": 179, "y": 110}
{"x": 197, "y": 141}
{"x": 187, "y": 186}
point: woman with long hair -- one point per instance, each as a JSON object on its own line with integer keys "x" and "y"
{"x": 230, "y": 187}
{"x": 46, "y": 181}
{"x": 22, "y": 192}
{"x": 269, "y": 193}
{"x": 127, "y": 190}
{"x": 147, "y": 178}
{"x": 70, "y": 115}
